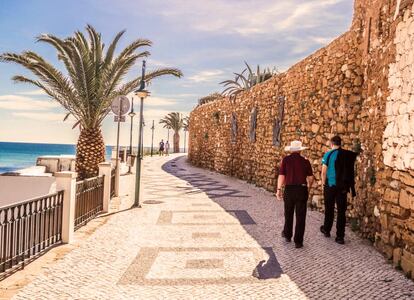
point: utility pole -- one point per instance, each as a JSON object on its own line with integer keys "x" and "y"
{"x": 142, "y": 139}
{"x": 132, "y": 115}
{"x": 152, "y": 138}
{"x": 185, "y": 137}
{"x": 142, "y": 94}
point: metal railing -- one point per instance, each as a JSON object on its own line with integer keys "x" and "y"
{"x": 29, "y": 228}
{"x": 113, "y": 174}
{"x": 89, "y": 200}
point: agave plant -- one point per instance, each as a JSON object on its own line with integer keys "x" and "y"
{"x": 210, "y": 98}
{"x": 93, "y": 79}
{"x": 245, "y": 80}
{"x": 174, "y": 121}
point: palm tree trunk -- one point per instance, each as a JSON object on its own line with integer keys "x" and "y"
{"x": 90, "y": 152}
{"x": 176, "y": 138}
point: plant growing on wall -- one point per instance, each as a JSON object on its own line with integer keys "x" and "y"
{"x": 357, "y": 146}
{"x": 233, "y": 128}
{"x": 371, "y": 175}
{"x": 277, "y": 126}
{"x": 253, "y": 120}
{"x": 245, "y": 80}
{"x": 210, "y": 98}
{"x": 216, "y": 117}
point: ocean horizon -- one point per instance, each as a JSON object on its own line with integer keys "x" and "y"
{"x": 20, "y": 155}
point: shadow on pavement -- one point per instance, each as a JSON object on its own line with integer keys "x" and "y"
{"x": 215, "y": 190}
{"x": 320, "y": 270}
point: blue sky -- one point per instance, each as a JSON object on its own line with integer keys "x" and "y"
{"x": 207, "y": 40}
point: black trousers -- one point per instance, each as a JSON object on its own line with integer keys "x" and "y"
{"x": 295, "y": 199}
{"x": 334, "y": 195}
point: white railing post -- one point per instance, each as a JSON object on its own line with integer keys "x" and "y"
{"x": 66, "y": 181}
{"x": 117, "y": 178}
{"x": 105, "y": 169}
{"x": 125, "y": 154}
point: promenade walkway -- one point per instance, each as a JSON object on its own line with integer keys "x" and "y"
{"x": 201, "y": 235}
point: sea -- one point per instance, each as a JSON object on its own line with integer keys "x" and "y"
{"x": 15, "y": 156}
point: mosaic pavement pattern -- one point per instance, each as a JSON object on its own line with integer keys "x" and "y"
{"x": 202, "y": 235}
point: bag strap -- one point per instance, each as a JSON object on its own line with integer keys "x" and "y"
{"x": 329, "y": 157}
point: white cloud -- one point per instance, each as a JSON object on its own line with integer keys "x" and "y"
{"x": 151, "y": 63}
{"x": 309, "y": 14}
{"x": 303, "y": 45}
{"x": 159, "y": 101}
{"x": 157, "y": 114}
{"x": 42, "y": 116}
{"x": 153, "y": 100}
{"x": 17, "y": 102}
{"x": 208, "y": 75}
{"x": 185, "y": 95}
{"x": 247, "y": 17}
{"x": 38, "y": 92}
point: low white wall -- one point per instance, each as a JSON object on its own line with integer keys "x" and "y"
{"x": 19, "y": 188}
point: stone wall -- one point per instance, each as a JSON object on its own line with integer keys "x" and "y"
{"x": 361, "y": 87}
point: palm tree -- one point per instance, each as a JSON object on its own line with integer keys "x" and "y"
{"x": 94, "y": 77}
{"x": 175, "y": 122}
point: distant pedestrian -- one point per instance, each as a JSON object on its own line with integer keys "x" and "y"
{"x": 296, "y": 175}
{"x": 167, "y": 148}
{"x": 338, "y": 178}
{"x": 161, "y": 150}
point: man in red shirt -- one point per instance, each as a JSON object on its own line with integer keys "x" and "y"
{"x": 296, "y": 175}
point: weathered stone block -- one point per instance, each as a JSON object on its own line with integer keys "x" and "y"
{"x": 384, "y": 221}
{"x": 396, "y": 257}
{"x": 407, "y": 179}
{"x": 399, "y": 212}
{"x": 391, "y": 196}
{"x": 406, "y": 199}
{"x": 407, "y": 263}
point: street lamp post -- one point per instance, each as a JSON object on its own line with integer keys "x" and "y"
{"x": 132, "y": 115}
{"x": 185, "y": 137}
{"x": 142, "y": 138}
{"x": 152, "y": 138}
{"x": 142, "y": 94}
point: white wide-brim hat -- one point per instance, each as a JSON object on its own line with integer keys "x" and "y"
{"x": 295, "y": 146}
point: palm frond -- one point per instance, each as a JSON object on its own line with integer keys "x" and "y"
{"x": 93, "y": 76}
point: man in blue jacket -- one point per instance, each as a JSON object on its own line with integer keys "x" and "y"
{"x": 333, "y": 192}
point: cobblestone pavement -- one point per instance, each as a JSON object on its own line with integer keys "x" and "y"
{"x": 201, "y": 235}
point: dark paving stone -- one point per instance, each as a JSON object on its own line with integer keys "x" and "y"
{"x": 153, "y": 202}
{"x": 165, "y": 217}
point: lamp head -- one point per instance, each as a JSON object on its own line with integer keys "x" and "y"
{"x": 142, "y": 93}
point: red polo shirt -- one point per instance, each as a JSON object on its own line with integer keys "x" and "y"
{"x": 295, "y": 168}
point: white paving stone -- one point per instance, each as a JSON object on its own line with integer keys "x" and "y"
{"x": 212, "y": 258}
